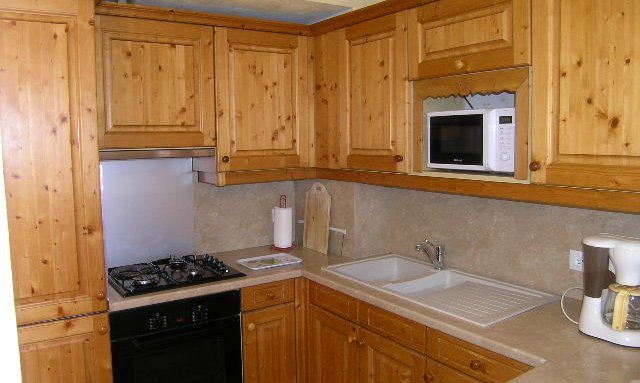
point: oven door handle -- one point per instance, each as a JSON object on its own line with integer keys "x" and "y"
{"x": 170, "y": 338}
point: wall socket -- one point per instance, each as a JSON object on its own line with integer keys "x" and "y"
{"x": 576, "y": 262}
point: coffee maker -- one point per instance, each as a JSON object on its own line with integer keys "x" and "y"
{"x": 611, "y": 303}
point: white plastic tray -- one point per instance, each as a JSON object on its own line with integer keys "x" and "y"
{"x": 269, "y": 261}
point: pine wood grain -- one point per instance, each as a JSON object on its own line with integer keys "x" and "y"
{"x": 156, "y": 84}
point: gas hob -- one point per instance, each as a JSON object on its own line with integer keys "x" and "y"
{"x": 169, "y": 273}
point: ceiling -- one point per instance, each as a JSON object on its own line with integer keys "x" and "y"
{"x": 293, "y": 11}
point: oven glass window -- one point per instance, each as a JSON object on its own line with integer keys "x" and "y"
{"x": 456, "y": 139}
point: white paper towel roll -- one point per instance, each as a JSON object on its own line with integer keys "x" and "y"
{"x": 282, "y": 226}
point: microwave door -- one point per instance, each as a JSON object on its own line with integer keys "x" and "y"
{"x": 456, "y": 142}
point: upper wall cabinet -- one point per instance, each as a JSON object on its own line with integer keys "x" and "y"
{"x": 586, "y": 79}
{"x": 361, "y": 96}
{"x": 262, "y": 100}
{"x": 155, "y": 84}
{"x": 462, "y": 36}
{"x": 377, "y": 125}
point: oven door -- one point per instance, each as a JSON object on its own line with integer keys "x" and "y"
{"x": 208, "y": 353}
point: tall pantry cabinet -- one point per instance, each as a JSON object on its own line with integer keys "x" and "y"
{"x": 51, "y": 172}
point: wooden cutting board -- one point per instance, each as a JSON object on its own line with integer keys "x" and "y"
{"x": 316, "y": 218}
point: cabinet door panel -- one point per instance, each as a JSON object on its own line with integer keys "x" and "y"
{"x": 586, "y": 84}
{"x": 269, "y": 345}
{"x": 66, "y": 351}
{"x": 157, "y": 82}
{"x": 383, "y": 361}
{"x": 333, "y": 354}
{"x": 51, "y": 166}
{"x": 378, "y": 94}
{"x": 455, "y": 36}
{"x": 439, "y": 373}
{"x": 262, "y": 100}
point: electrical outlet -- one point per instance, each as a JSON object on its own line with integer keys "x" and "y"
{"x": 576, "y": 262}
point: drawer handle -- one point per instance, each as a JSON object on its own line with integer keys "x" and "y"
{"x": 398, "y": 158}
{"x": 475, "y": 364}
{"x": 271, "y": 295}
{"x": 428, "y": 377}
{"x": 251, "y": 326}
{"x": 351, "y": 339}
{"x": 100, "y": 295}
{"x": 102, "y": 330}
{"x": 225, "y": 159}
{"x": 458, "y": 64}
{"x": 360, "y": 343}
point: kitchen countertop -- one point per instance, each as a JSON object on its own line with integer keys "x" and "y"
{"x": 542, "y": 338}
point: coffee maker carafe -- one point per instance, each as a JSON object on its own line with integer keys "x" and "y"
{"x": 611, "y": 306}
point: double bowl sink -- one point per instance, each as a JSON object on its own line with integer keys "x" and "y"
{"x": 478, "y": 300}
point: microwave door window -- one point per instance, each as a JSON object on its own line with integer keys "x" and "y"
{"x": 456, "y": 139}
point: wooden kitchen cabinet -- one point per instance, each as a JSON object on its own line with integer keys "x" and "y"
{"x": 385, "y": 361}
{"x": 362, "y": 96}
{"x": 155, "y": 84}
{"x": 458, "y": 36}
{"x": 71, "y": 350}
{"x": 468, "y": 360}
{"x": 586, "y": 82}
{"x": 50, "y": 156}
{"x": 439, "y": 373}
{"x": 263, "y": 100}
{"x": 269, "y": 333}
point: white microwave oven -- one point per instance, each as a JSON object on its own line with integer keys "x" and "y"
{"x": 474, "y": 140}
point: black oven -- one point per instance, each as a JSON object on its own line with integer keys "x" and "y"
{"x": 193, "y": 340}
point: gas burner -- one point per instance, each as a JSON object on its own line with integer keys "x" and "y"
{"x": 169, "y": 273}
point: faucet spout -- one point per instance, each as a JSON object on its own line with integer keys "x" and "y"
{"x": 434, "y": 252}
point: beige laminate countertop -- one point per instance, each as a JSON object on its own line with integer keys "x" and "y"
{"x": 542, "y": 337}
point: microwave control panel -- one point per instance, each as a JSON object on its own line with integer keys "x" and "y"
{"x": 505, "y": 142}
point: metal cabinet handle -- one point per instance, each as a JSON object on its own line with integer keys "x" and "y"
{"x": 475, "y": 364}
{"x": 251, "y": 326}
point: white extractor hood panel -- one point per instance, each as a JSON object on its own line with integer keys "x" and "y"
{"x": 147, "y": 209}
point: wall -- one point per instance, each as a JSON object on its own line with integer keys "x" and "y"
{"x": 522, "y": 243}
{"x": 236, "y": 217}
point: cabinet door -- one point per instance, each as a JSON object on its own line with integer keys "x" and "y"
{"x": 586, "y": 87}
{"x": 269, "y": 345}
{"x": 333, "y": 353}
{"x": 461, "y": 36}
{"x": 377, "y": 126}
{"x": 263, "y": 112}
{"x": 48, "y": 126}
{"x": 384, "y": 361}
{"x": 155, "y": 83}
{"x": 66, "y": 351}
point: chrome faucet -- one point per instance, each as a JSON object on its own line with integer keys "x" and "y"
{"x": 435, "y": 253}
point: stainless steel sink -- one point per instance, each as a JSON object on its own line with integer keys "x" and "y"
{"x": 481, "y": 301}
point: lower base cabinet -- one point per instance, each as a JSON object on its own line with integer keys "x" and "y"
{"x": 269, "y": 333}
{"x": 439, "y": 373}
{"x": 73, "y": 350}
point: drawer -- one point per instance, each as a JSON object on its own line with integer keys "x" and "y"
{"x": 484, "y": 365}
{"x": 268, "y": 294}
{"x": 439, "y": 373}
{"x": 333, "y": 301}
{"x": 403, "y": 331}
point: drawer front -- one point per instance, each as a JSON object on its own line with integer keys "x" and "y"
{"x": 474, "y": 361}
{"x": 401, "y": 330}
{"x": 268, "y": 294}
{"x": 333, "y": 301}
{"x": 439, "y": 373}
